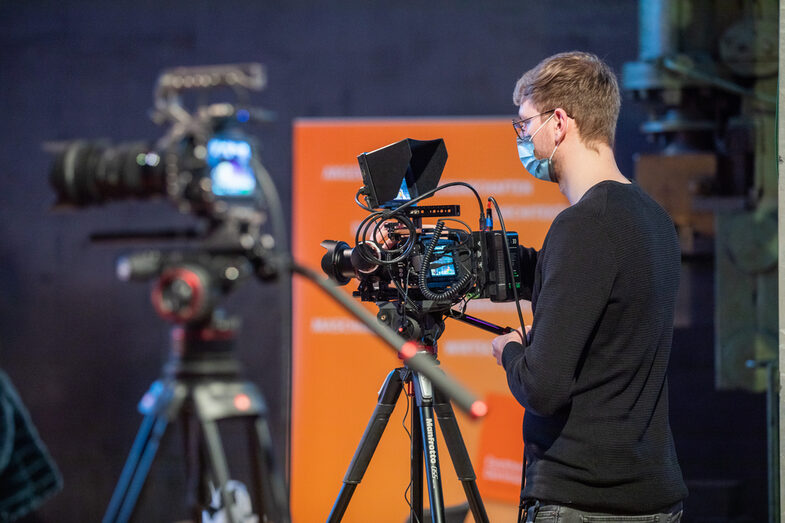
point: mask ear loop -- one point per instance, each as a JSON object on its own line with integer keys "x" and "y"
{"x": 540, "y": 127}
{"x": 550, "y": 158}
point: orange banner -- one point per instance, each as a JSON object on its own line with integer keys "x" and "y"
{"x": 339, "y": 367}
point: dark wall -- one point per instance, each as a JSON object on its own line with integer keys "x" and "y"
{"x": 82, "y": 347}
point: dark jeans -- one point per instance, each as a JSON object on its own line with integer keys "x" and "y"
{"x": 562, "y": 514}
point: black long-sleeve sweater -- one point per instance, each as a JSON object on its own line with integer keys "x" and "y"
{"x": 592, "y": 379}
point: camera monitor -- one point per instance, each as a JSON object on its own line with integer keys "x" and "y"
{"x": 441, "y": 271}
{"x": 401, "y": 171}
{"x": 229, "y": 160}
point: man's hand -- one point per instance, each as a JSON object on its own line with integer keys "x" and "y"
{"x": 500, "y": 342}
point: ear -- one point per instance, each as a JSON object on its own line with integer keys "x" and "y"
{"x": 562, "y": 124}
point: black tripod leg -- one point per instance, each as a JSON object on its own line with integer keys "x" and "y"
{"x": 261, "y": 494}
{"x": 416, "y": 464}
{"x": 373, "y": 433}
{"x": 135, "y": 470}
{"x": 274, "y": 502}
{"x": 424, "y": 393}
{"x": 197, "y": 490}
{"x": 218, "y": 465}
{"x": 460, "y": 457}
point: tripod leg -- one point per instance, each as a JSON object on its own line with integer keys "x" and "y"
{"x": 260, "y": 493}
{"x": 198, "y": 493}
{"x": 417, "y": 464}
{"x": 373, "y": 433}
{"x": 424, "y": 393}
{"x": 135, "y": 470}
{"x": 129, "y": 468}
{"x": 274, "y": 500}
{"x": 218, "y": 465}
{"x": 460, "y": 457}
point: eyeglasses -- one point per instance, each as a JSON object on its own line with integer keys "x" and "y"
{"x": 522, "y": 126}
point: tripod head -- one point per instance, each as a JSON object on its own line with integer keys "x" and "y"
{"x": 415, "y": 324}
{"x": 188, "y": 284}
{"x": 187, "y": 292}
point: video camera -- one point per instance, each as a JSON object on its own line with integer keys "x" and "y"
{"x": 398, "y": 259}
{"x": 206, "y": 163}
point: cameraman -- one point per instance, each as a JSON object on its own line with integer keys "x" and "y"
{"x": 603, "y": 286}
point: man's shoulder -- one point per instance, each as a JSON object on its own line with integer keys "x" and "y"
{"x": 586, "y": 212}
{"x": 582, "y": 220}
{"x": 609, "y": 201}
{"x": 602, "y": 209}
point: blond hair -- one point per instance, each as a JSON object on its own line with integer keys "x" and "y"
{"x": 581, "y": 84}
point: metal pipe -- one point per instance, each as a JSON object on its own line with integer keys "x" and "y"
{"x": 658, "y": 34}
{"x": 781, "y": 247}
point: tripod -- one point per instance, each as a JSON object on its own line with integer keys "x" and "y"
{"x": 201, "y": 385}
{"x": 425, "y": 403}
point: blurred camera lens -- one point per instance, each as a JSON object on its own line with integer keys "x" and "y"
{"x": 87, "y": 172}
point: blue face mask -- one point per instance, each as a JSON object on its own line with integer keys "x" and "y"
{"x": 540, "y": 169}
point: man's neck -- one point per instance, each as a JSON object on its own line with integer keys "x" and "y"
{"x": 585, "y": 168}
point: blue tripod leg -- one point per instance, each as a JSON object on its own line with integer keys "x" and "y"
{"x": 136, "y": 468}
{"x": 131, "y": 464}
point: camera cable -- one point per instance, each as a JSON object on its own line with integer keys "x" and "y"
{"x": 408, "y": 433}
{"x": 451, "y": 293}
{"x": 508, "y": 258}
{"x": 377, "y": 220}
{"x": 363, "y": 206}
{"x": 282, "y": 263}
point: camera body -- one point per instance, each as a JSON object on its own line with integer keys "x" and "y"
{"x": 205, "y": 164}
{"x": 478, "y": 256}
{"x": 495, "y": 281}
{"x": 397, "y": 258}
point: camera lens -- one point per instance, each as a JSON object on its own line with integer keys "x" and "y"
{"x": 86, "y": 172}
{"x": 337, "y": 262}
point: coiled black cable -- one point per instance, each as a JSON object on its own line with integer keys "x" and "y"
{"x": 376, "y": 220}
{"x": 451, "y": 293}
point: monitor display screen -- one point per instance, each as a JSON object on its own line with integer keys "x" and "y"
{"x": 443, "y": 265}
{"x": 403, "y": 193}
{"x": 231, "y": 173}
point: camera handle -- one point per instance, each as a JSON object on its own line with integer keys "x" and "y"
{"x": 477, "y": 322}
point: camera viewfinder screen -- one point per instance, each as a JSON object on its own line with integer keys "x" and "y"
{"x": 403, "y": 193}
{"x": 230, "y": 167}
{"x": 443, "y": 265}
